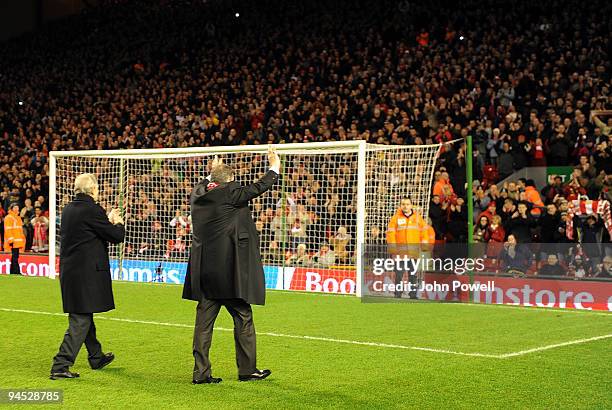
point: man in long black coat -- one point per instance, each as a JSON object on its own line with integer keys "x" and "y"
{"x": 225, "y": 266}
{"x": 85, "y": 274}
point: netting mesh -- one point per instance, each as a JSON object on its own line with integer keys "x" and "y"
{"x": 111, "y": 182}
{"x": 392, "y": 173}
{"x": 309, "y": 219}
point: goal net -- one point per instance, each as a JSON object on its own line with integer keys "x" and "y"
{"x": 330, "y": 200}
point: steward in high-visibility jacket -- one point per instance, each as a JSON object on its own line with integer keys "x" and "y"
{"x": 408, "y": 235}
{"x": 13, "y": 230}
{"x": 14, "y": 238}
{"x": 408, "y": 232}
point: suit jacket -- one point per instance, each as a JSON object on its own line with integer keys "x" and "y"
{"x": 224, "y": 261}
{"x": 84, "y": 266}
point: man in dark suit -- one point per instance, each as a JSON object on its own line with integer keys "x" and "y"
{"x": 85, "y": 276}
{"x": 225, "y": 266}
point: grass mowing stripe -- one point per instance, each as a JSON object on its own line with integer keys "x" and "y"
{"x": 344, "y": 341}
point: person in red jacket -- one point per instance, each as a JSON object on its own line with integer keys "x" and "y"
{"x": 497, "y": 235}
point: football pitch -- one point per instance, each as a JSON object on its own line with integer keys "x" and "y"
{"x": 323, "y": 350}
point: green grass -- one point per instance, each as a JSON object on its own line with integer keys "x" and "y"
{"x": 154, "y": 362}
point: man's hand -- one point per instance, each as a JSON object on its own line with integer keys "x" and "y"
{"x": 273, "y": 158}
{"x": 115, "y": 217}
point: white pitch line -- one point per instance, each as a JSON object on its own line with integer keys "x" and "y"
{"x": 548, "y": 347}
{"x": 272, "y": 334}
{"x": 333, "y": 340}
{"x": 536, "y": 309}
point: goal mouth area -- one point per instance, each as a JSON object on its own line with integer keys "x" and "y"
{"x": 331, "y": 197}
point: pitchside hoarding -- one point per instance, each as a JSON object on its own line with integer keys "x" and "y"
{"x": 526, "y": 291}
{"x": 30, "y": 265}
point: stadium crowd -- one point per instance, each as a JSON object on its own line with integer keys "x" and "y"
{"x": 531, "y": 90}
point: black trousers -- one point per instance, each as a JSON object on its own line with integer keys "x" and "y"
{"x": 15, "y": 262}
{"x": 244, "y": 335}
{"x": 81, "y": 329}
{"x": 399, "y": 276}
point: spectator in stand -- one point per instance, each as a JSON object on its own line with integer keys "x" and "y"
{"x": 520, "y": 152}
{"x": 497, "y": 235}
{"x": 590, "y": 233}
{"x": 300, "y": 257}
{"x": 586, "y": 167}
{"x": 178, "y": 246}
{"x": 438, "y": 216}
{"x": 552, "y": 267}
{"x": 324, "y": 258}
{"x": 457, "y": 222}
{"x": 520, "y": 223}
{"x": 442, "y": 187}
{"x": 538, "y": 156}
{"x": 605, "y": 128}
{"x": 507, "y": 211}
{"x": 603, "y": 157}
{"x": 340, "y": 244}
{"x": 505, "y": 161}
{"x": 273, "y": 253}
{"x": 493, "y": 146}
{"x": 495, "y": 198}
{"x": 553, "y": 190}
{"x": 580, "y": 267}
{"x": 506, "y": 94}
{"x": 376, "y": 236}
{"x": 298, "y": 234}
{"x": 533, "y": 197}
{"x": 180, "y": 221}
{"x": 40, "y": 223}
{"x": 490, "y": 212}
{"x": 549, "y": 230}
{"x": 27, "y": 212}
{"x": 515, "y": 257}
{"x": 513, "y": 190}
{"x": 563, "y": 241}
{"x": 559, "y": 148}
{"x": 481, "y": 200}
{"x": 604, "y": 270}
{"x": 575, "y": 187}
{"x": 482, "y": 230}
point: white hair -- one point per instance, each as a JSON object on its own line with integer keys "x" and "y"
{"x": 85, "y": 184}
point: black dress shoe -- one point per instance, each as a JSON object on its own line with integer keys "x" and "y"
{"x": 67, "y": 374}
{"x": 207, "y": 380}
{"x": 105, "y": 361}
{"x": 258, "y": 375}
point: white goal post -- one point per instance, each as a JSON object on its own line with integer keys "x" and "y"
{"x": 331, "y": 199}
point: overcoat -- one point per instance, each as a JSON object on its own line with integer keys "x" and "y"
{"x": 85, "y": 275}
{"x": 225, "y": 261}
